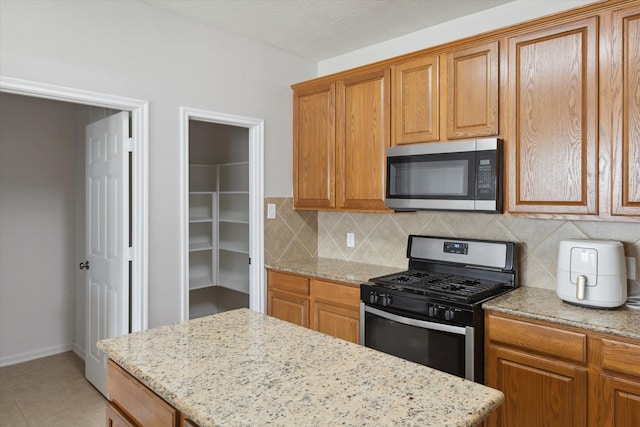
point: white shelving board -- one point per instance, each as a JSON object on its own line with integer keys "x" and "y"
{"x": 218, "y": 229}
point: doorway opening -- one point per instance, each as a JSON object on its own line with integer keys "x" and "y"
{"x": 138, "y": 110}
{"x": 222, "y": 213}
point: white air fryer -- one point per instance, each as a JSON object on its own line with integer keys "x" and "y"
{"x": 592, "y": 273}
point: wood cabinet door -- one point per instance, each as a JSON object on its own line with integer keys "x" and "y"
{"x": 115, "y": 417}
{"x": 472, "y": 92}
{"x": 415, "y": 101}
{"x": 139, "y": 403}
{"x": 626, "y": 112}
{"x": 620, "y": 402}
{"x": 339, "y": 322}
{"x": 362, "y": 139}
{"x": 552, "y": 148}
{"x": 287, "y": 307}
{"x": 538, "y": 391}
{"x": 314, "y": 146}
{"x": 336, "y": 309}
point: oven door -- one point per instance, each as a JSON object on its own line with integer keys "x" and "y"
{"x": 440, "y": 346}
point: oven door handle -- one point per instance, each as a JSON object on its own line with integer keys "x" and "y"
{"x": 415, "y": 322}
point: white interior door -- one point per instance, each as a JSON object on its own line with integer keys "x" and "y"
{"x": 107, "y": 239}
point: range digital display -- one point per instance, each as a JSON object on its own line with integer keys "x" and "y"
{"x": 456, "y": 248}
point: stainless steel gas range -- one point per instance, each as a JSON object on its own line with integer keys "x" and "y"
{"x": 432, "y": 313}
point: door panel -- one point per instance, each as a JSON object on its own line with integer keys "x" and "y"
{"x": 626, "y": 104}
{"x": 107, "y": 231}
{"x": 363, "y": 136}
{"x": 552, "y": 150}
{"x": 314, "y": 147}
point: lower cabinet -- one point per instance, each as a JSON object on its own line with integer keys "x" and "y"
{"x": 559, "y": 376}
{"x": 531, "y": 383}
{"x": 620, "y": 378}
{"x": 132, "y": 404}
{"x": 115, "y": 417}
{"x": 335, "y": 309}
{"x": 328, "y": 307}
{"x": 288, "y": 297}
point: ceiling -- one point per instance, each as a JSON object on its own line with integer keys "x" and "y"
{"x": 321, "y": 29}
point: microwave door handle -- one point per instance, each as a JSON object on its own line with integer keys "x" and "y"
{"x": 415, "y": 322}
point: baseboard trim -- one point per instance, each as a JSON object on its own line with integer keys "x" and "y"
{"x": 79, "y": 351}
{"x": 35, "y": 354}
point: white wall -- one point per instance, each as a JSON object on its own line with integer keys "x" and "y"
{"x": 127, "y": 48}
{"x": 215, "y": 143}
{"x": 37, "y": 213}
{"x": 498, "y": 17}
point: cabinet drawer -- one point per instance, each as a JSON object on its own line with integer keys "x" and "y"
{"x": 539, "y": 338}
{"x": 336, "y": 293}
{"x": 288, "y": 282}
{"x": 137, "y": 401}
{"x": 115, "y": 417}
{"x": 620, "y": 356}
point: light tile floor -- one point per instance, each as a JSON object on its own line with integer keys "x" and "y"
{"x": 51, "y": 392}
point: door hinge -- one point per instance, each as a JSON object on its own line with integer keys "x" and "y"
{"x": 128, "y": 145}
{"x": 249, "y": 260}
{"x": 128, "y": 254}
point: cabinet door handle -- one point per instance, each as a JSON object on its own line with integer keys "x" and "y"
{"x": 84, "y": 265}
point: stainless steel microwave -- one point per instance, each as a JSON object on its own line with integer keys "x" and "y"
{"x": 456, "y": 176}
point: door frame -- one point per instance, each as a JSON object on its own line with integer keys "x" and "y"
{"x": 257, "y": 298}
{"x": 139, "y": 109}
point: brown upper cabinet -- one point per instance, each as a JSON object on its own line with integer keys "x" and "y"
{"x": 561, "y": 91}
{"x": 552, "y": 149}
{"x": 462, "y": 92}
{"x": 341, "y": 134}
{"x": 473, "y": 91}
{"x": 314, "y": 146}
{"x": 415, "y": 115}
{"x": 625, "y": 75}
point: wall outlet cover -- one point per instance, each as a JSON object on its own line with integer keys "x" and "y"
{"x": 631, "y": 267}
{"x": 351, "y": 240}
{"x": 271, "y": 210}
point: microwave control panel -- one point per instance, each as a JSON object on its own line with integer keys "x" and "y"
{"x": 486, "y": 175}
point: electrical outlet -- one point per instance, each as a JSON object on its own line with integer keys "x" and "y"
{"x": 631, "y": 267}
{"x": 351, "y": 240}
{"x": 271, "y": 210}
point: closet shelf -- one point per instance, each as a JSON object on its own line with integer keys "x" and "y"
{"x": 238, "y": 247}
{"x": 200, "y": 246}
{"x": 234, "y": 220}
{"x": 197, "y": 219}
{"x": 200, "y": 283}
{"x": 218, "y": 230}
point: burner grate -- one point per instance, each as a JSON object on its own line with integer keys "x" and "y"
{"x": 445, "y": 285}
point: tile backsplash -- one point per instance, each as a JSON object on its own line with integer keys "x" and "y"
{"x": 382, "y": 238}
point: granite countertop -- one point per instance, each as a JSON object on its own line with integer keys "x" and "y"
{"x": 242, "y": 368}
{"x": 544, "y": 304}
{"x": 334, "y": 269}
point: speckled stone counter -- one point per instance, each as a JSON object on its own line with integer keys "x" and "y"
{"x": 242, "y": 368}
{"x": 334, "y": 269}
{"x": 544, "y": 304}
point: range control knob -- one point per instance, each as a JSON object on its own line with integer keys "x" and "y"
{"x": 373, "y": 298}
{"x": 433, "y": 311}
{"x": 385, "y": 300}
{"x": 449, "y": 314}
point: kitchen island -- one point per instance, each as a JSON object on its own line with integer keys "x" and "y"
{"x": 242, "y": 368}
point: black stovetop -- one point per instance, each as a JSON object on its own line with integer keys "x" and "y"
{"x": 449, "y": 286}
